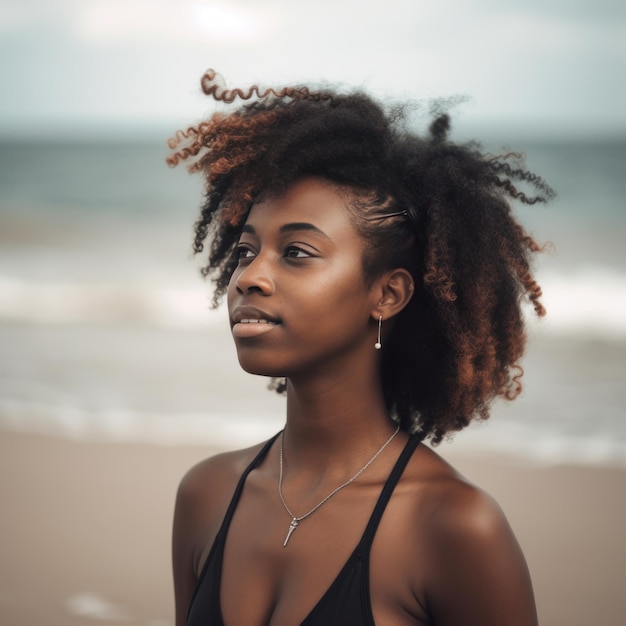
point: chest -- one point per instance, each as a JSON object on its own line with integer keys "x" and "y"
{"x": 288, "y": 580}
{"x": 323, "y": 573}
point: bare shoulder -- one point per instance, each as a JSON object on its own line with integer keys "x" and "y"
{"x": 471, "y": 553}
{"x": 206, "y": 489}
{"x": 212, "y": 475}
{"x": 456, "y": 507}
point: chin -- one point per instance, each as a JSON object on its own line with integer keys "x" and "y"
{"x": 254, "y": 366}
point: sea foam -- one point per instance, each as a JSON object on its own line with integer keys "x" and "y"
{"x": 590, "y": 301}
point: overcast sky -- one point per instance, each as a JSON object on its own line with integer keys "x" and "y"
{"x": 557, "y": 64}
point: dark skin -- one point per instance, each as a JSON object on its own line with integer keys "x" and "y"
{"x": 443, "y": 554}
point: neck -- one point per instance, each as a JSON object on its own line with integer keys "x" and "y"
{"x": 334, "y": 422}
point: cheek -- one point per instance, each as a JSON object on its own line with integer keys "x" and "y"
{"x": 336, "y": 300}
{"x": 231, "y": 289}
{"x": 343, "y": 284}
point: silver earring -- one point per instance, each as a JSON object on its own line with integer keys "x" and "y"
{"x": 378, "y": 345}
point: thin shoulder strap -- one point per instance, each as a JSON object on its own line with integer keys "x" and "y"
{"x": 237, "y": 494}
{"x": 385, "y": 494}
{"x": 216, "y": 552}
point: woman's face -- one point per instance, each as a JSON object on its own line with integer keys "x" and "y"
{"x": 298, "y": 300}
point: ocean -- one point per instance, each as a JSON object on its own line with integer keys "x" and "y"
{"x": 106, "y": 331}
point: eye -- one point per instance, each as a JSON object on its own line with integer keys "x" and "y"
{"x": 293, "y": 252}
{"x": 243, "y": 253}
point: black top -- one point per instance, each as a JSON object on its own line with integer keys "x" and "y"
{"x": 347, "y": 600}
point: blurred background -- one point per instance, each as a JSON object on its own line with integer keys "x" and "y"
{"x": 106, "y": 337}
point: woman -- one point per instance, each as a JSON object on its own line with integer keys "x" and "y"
{"x": 377, "y": 276}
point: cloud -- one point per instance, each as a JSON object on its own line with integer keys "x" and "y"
{"x": 185, "y": 22}
{"x": 136, "y": 60}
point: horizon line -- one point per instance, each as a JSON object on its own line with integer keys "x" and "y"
{"x": 121, "y": 131}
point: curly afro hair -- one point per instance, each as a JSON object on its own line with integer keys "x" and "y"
{"x": 442, "y": 210}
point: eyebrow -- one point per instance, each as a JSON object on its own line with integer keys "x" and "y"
{"x": 289, "y": 228}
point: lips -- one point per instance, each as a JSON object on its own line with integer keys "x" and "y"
{"x": 252, "y": 315}
{"x": 248, "y": 321}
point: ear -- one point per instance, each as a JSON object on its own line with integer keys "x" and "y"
{"x": 393, "y": 290}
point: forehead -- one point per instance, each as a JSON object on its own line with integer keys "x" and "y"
{"x": 314, "y": 201}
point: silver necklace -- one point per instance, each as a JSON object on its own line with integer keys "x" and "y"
{"x": 295, "y": 520}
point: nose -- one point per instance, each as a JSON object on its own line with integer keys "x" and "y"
{"x": 254, "y": 276}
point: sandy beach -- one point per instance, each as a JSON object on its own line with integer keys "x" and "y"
{"x": 85, "y": 532}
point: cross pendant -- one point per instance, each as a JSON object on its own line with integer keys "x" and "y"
{"x": 292, "y": 527}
